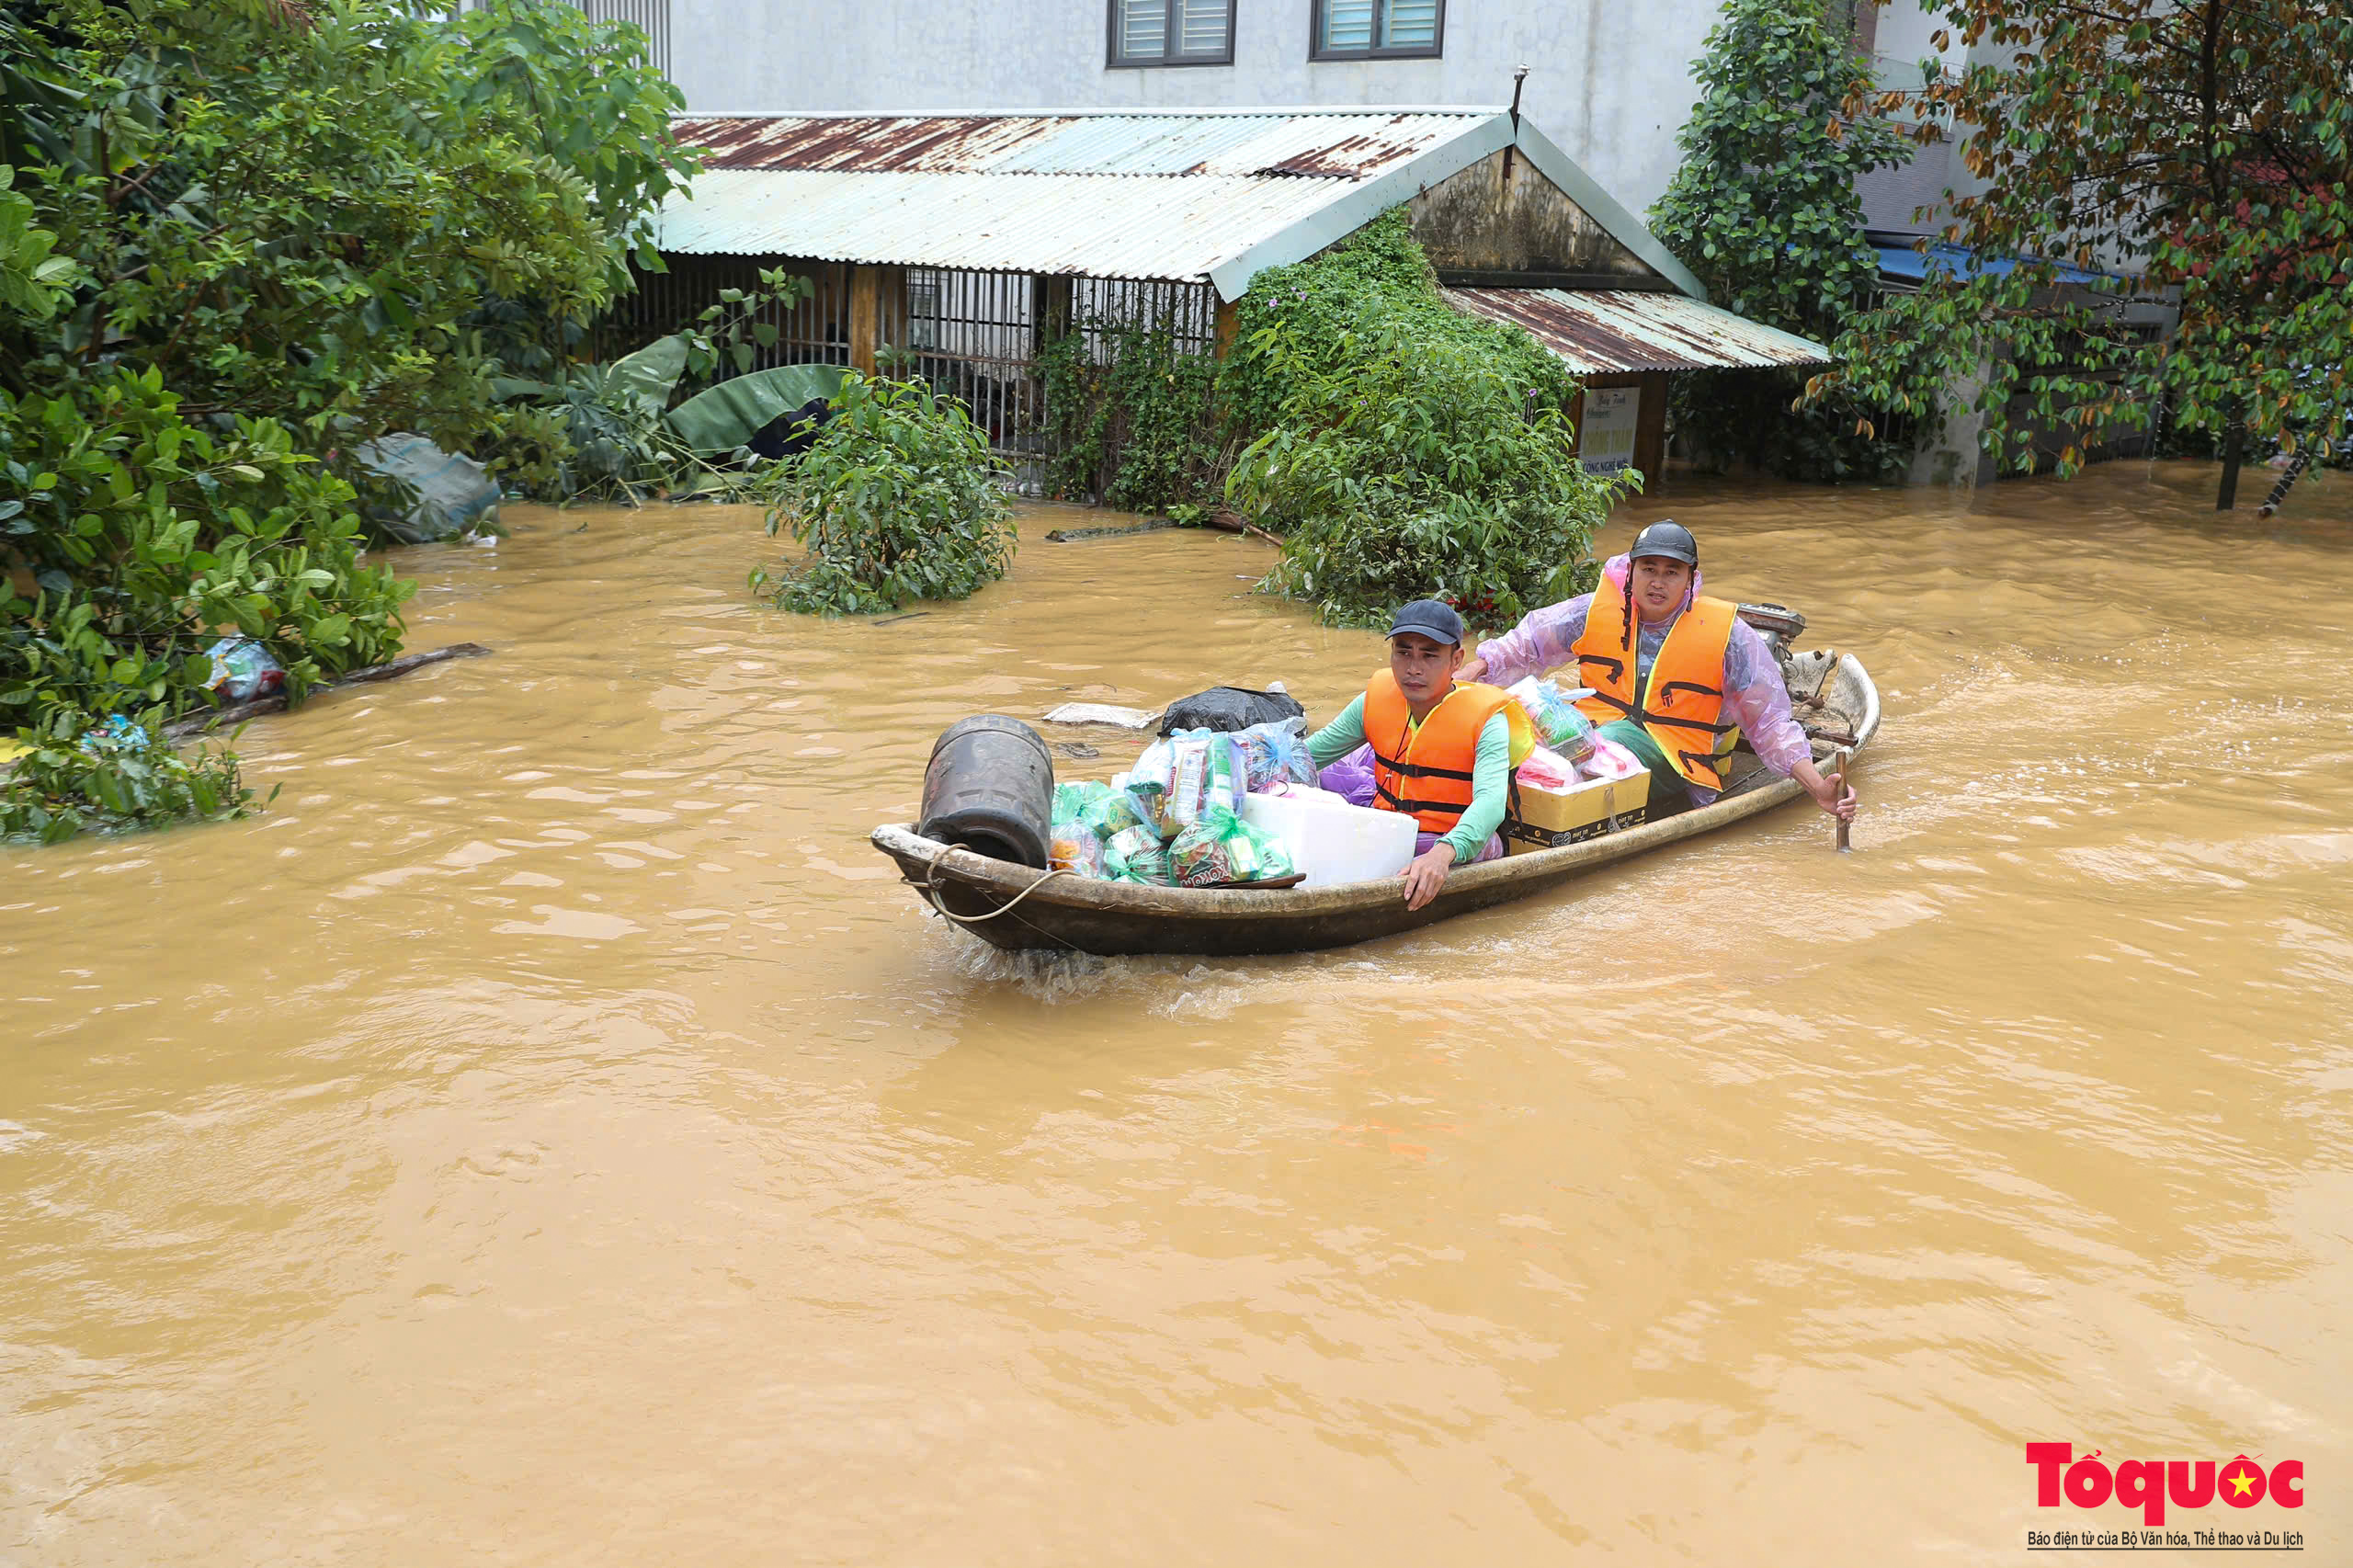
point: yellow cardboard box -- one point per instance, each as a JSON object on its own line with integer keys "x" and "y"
{"x": 1546, "y": 819}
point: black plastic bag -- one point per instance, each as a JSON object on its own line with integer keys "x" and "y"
{"x": 1229, "y": 708}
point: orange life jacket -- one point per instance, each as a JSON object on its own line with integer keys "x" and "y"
{"x": 1428, "y": 772}
{"x": 1680, "y": 703}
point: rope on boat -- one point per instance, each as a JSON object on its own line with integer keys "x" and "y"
{"x": 931, "y": 894}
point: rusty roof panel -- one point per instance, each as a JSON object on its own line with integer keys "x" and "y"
{"x": 1351, "y": 146}
{"x": 862, "y": 144}
{"x": 1168, "y": 194}
{"x": 1603, "y": 332}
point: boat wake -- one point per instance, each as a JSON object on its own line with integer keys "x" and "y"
{"x": 1039, "y": 974}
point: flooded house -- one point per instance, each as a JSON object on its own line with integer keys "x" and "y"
{"x": 971, "y": 241}
{"x": 1612, "y": 94}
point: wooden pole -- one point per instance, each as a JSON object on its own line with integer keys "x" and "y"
{"x": 863, "y": 291}
{"x": 1650, "y": 432}
{"x": 1227, "y": 326}
{"x": 1839, "y": 765}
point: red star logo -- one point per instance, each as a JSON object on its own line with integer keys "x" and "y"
{"x": 2241, "y": 1477}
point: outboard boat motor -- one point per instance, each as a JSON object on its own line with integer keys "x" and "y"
{"x": 1780, "y": 626}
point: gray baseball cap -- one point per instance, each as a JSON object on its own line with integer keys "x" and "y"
{"x": 1433, "y": 619}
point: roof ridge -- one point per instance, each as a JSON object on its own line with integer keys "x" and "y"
{"x": 1272, "y": 111}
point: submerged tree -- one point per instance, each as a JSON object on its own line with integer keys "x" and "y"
{"x": 2199, "y": 147}
{"x": 1763, "y": 211}
{"x": 1403, "y": 450}
{"x": 897, "y": 498}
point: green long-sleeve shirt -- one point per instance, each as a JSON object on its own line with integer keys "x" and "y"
{"x": 1490, "y": 775}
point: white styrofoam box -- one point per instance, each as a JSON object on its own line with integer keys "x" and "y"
{"x": 1333, "y": 841}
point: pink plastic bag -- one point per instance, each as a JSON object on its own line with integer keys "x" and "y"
{"x": 1547, "y": 770}
{"x": 1610, "y": 760}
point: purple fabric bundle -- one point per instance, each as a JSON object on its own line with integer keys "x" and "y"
{"x": 1351, "y": 776}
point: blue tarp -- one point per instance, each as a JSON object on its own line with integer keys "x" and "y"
{"x": 1903, "y": 261}
{"x": 453, "y": 494}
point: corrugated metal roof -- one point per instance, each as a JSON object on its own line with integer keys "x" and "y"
{"x": 1160, "y": 195}
{"x": 1353, "y": 144}
{"x": 1090, "y": 225}
{"x": 864, "y": 143}
{"x": 1604, "y": 331}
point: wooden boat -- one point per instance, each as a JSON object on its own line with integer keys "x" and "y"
{"x": 1017, "y": 906}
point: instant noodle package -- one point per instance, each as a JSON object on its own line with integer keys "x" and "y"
{"x": 1221, "y": 847}
{"x": 1189, "y": 789}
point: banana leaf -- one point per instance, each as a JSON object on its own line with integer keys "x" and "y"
{"x": 641, "y": 382}
{"x": 724, "y": 417}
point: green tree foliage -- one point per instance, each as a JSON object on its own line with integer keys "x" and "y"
{"x": 294, "y": 213}
{"x": 1404, "y": 449}
{"x": 1763, "y": 211}
{"x": 239, "y": 238}
{"x": 2205, "y": 147}
{"x": 899, "y": 498}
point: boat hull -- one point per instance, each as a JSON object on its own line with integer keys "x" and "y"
{"x": 1020, "y": 908}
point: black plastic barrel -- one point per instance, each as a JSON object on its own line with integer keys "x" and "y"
{"x": 990, "y": 788}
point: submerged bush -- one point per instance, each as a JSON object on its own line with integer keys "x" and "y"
{"x": 1408, "y": 450}
{"x": 899, "y": 498}
{"x": 131, "y": 541}
{"x": 115, "y": 778}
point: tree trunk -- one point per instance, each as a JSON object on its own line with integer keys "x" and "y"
{"x": 2233, "y": 450}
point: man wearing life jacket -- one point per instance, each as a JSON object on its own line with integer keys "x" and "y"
{"x": 1442, "y": 751}
{"x": 1676, "y": 676}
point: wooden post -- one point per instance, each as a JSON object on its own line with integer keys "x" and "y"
{"x": 1650, "y": 432}
{"x": 863, "y": 282}
{"x": 1225, "y": 325}
{"x": 1839, "y": 766}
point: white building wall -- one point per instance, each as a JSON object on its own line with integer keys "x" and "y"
{"x": 1894, "y": 198}
{"x": 1609, "y": 80}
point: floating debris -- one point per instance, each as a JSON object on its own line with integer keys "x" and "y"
{"x": 1102, "y": 713}
{"x": 1066, "y": 536}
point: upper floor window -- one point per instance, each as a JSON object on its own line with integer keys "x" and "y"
{"x": 1172, "y": 32}
{"x": 1378, "y": 29}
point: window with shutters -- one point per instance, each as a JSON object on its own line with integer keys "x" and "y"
{"x": 1171, "y": 32}
{"x": 1377, "y": 29}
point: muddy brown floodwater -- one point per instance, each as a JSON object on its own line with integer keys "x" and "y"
{"x": 551, "y": 1135}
